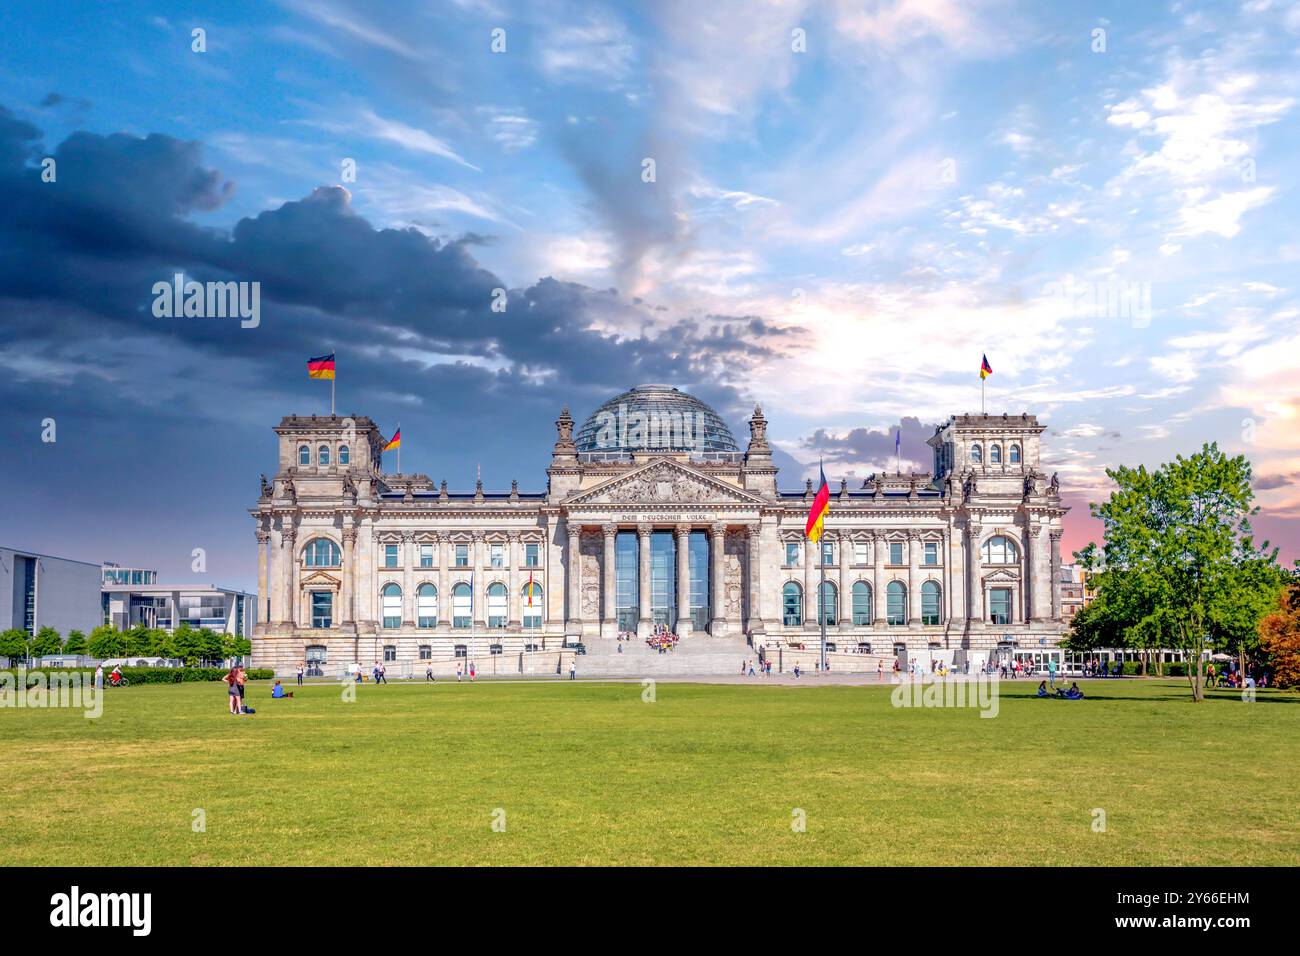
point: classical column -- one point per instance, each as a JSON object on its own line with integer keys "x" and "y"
{"x": 845, "y": 610}
{"x": 275, "y": 575}
{"x": 755, "y": 556}
{"x": 572, "y": 572}
{"x": 1054, "y": 563}
{"x": 346, "y": 614}
{"x": 609, "y": 594}
{"x": 717, "y": 589}
{"x": 479, "y": 592}
{"x": 294, "y": 568}
{"x": 444, "y": 580}
{"x": 514, "y": 557}
{"x": 810, "y": 562}
{"x": 879, "y": 599}
{"x": 408, "y": 579}
{"x": 974, "y": 587}
{"x": 643, "y": 532}
{"x": 683, "y": 580}
{"x": 914, "y": 579}
{"x": 263, "y": 536}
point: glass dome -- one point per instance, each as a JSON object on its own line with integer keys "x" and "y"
{"x": 655, "y": 418}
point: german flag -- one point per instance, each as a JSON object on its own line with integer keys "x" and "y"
{"x": 321, "y": 367}
{"x": 985, "y": 368}
{"x": 530, "y": 588}
{"x": 395, "y": 441}
{"x": 821, "y": 504}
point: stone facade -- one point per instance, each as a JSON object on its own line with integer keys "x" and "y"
{"x": 358, "y": 565}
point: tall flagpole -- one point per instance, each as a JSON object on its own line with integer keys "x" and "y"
{"x": 821, "y": 609}
{"x": 332, "y": 389}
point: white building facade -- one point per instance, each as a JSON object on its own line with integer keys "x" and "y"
{"x": 652, "y": 515}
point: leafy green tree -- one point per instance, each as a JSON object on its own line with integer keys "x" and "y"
{"x": 106, "y": 641}
{"x": 233, "y": 645}
{"x": 210, "y": 641}
{"x": 1181, "y": 566}
{"x": 75, "y": 643}
{"x": 137, "y": 641}
{"x": 187, "y": 643}
{"x": 13, "y": 644}
{"x": 47, "y": 641}
{"x": 161, "y": 644}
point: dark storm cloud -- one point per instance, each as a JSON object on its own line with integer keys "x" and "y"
{"x": 1272, "y": 482}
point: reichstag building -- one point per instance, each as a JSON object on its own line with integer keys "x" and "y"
{"x": 653, "y": 515}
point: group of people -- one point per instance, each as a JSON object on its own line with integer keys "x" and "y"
{"x": 764, "y": 668}
{"x": 1231, "y": 676}
{"x": 1072, "y": 694}
{"x": 235, "y": 681}
{"x": 661, "y": 639}
{"x": 1099, "y": 669}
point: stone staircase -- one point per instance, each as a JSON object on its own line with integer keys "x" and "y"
{"x": 702, "y": 656}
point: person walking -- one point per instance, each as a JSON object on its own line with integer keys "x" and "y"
{"x": 458, "y": 671}
{"x": 472, "y": 671}
{"x": 1051, "y": 672}
{"x": 428, "y": 674}
{"x": 573, "y": 668}
{"x": 300, "y": 673}
{"x": 99, "y": 676}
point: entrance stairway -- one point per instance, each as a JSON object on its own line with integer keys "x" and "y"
{"x": 699, "y": 655}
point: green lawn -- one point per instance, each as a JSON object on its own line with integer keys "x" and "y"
{"x": 589, "y": 774}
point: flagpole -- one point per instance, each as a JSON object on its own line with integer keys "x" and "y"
{"x": 399, "y": 449}
{"x": 821, "y": 610}
{"x": 332, "y": 390}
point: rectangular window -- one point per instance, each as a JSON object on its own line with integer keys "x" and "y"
{"x": 390, "y": 653}
{"x": 497, "y": 555}
{"x": 895, "y": 552}
{"x": 859, "y": 552}
{"x": 390, "y": 555}
{"x": 462, "y": 555}
{"x": 322, "y": 608}
{"x": 532, "y": 555}
{"x": 792, "y": 554}
{"x": 426, "y": 555}
{"x": 828, "y": 553}
{"x": 1000, "y": 605}
{"x": 931, "y": 552}
{"x": 426, "y": 652}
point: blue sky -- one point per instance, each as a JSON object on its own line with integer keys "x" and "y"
{"x": 838, "y": 231}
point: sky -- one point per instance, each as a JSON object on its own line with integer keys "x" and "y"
{"x": 832, "y": 209}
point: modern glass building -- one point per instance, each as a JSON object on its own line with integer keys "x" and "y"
{"x": 40, "y": 590}
{"x": 133, "y": 596}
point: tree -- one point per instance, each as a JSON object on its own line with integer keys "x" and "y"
{"x": 1182, "y": 569}
{"x": 47, "y": 641}
{"x": 106, "y": 641}
{"x": 75, "y": 643}
{"x": 137, "y": 641}
{"x": 13, "y": 644}
{"x": 1279, "y": 638}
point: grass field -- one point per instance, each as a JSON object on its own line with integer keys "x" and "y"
{"x": 589, "y": 774}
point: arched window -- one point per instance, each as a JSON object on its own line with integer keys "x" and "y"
{"x": 930, "y": 612}
{"x": 861, "y": 602}
{"x": 1015, "y": 454}
{"x": 976, "y": 453}
{"x": 995, "y": 454}
{"x": 321, "y": 553}
{"x": 1000, "y": 549}
{"x": 530, "y": 599}
{"x": 426, "y": 606}
{"x": 343, "y": 454}
{"x": 829, "y": 604}
{"x": 460, "y": 605}
{"x": 323, "y": 456}
{"x": 896, "y": 600}
{"x": 391, "y": 597}
{"x": 498, "y": 600}
{"x": 792, "y": 604}
{"x": 304, "y": 455}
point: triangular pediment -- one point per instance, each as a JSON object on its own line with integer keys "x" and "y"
{"x": 320, "y": 579}
{"x": 1001, "y": 574}
{"x": 663, "y": 482}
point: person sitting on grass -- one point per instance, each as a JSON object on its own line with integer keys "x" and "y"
{"x": 277, "y": 691}
{"x": 1042, "y": 688}
{"x": 1074, "y": 693}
